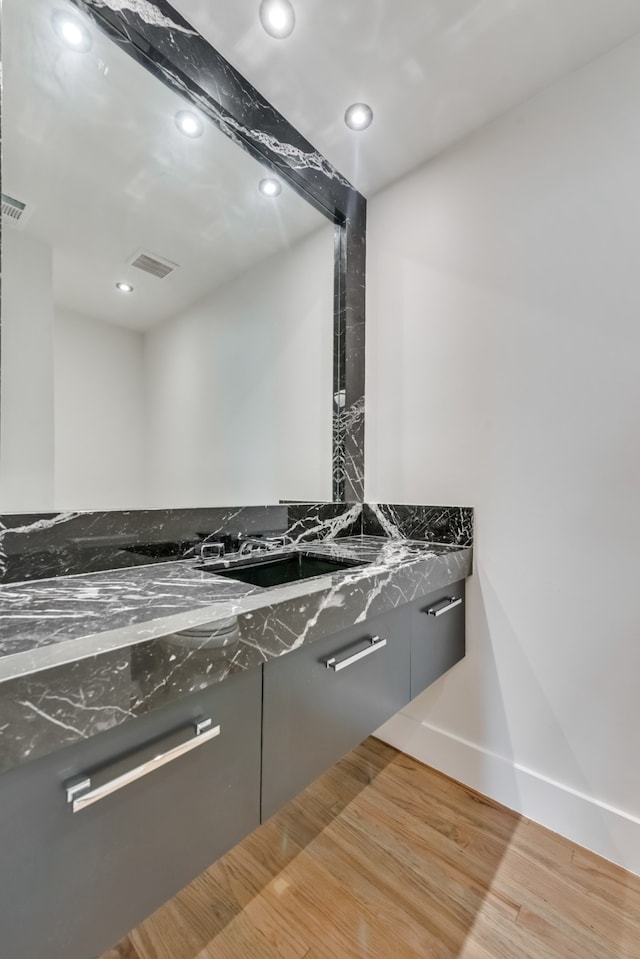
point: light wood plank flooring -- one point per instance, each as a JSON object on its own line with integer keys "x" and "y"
{"x": 385, "y": 858}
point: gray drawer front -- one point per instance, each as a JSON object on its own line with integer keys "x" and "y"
{"x": 313, "y": 715}
{"x": 437, "y": 642}
{"x": 72, "y": 884}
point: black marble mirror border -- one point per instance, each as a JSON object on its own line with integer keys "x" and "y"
{"x": 158, "y": 37}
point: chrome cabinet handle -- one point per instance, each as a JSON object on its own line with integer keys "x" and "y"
{"x": 374, "y": 644}
{"x": 83, "y": 791}
{"x": 446, "y": 604}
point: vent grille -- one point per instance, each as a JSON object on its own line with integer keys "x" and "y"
{"x": 150, "y": 263}
{"x": 12, "y": 208}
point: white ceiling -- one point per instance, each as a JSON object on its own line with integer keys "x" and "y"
{"x": 433, "y": 70}
{"x": 91, "y": 146}
{"x": 90, "y": 142}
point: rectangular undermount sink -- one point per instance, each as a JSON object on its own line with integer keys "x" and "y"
{"x": 278, "y": 570}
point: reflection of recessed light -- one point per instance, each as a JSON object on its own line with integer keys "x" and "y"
{"x": 189, "y": 123}
{"x": 124, "y": 287}
{"x": 71, "y": 31}
{"x": 358, "y": 116}
{"x": 278, "y": 18}
{"x": 270, "y": 187}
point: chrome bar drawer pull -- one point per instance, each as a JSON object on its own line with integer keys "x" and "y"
{"x": 337, "y": 665}
{"x": 83, "y": 791}
{"x": 446, "y": 604}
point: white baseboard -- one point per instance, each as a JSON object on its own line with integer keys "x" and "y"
{"x": 607, "y": 831}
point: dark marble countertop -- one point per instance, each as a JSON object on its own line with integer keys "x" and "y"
{"x": 68, "y": 618}
{"x": 81, "y": 654}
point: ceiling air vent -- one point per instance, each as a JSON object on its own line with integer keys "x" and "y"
{"x": 150, "y": 263}
{"x": 14, "y": 210}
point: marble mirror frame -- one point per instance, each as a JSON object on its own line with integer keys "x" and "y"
{"x": 157, "y": 36}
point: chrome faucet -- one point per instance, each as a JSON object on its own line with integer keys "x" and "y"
{"x": 254, "y": 544}
{"x": 209, "y": 548}
{"x": 217, "y": 546}
{"x": 210, "y": 551}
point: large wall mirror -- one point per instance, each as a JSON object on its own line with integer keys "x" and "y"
{"x": 175, "y": 331}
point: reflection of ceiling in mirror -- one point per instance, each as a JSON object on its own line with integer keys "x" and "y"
{"x": 92, "y": 148}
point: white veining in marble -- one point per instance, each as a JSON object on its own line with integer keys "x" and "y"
{"x": 147, "y": 12}
{"x": 389, "y": 528}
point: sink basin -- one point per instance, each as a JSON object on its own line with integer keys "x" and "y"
{"x": 269, "y": 571}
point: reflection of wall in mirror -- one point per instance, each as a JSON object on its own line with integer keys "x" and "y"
{"x": 99, "y": 401}
{"x": 218, "y": 405}
{"x": 239, "y": 387}
{"x": 27, "y": 432}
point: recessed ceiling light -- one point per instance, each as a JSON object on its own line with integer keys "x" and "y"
{"x": 71, "y": 31}
{"x": 278, "y": 18}
{"x": 358, "y": 116}
{"x": 124, "y": 287}
{"x": 189, "y": 123}
{"x": 270, "y": 187}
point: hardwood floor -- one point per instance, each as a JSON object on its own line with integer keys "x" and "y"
{"x": 385, "y": 858}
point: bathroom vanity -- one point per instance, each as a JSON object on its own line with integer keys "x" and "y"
{"x": 211, "y": 728}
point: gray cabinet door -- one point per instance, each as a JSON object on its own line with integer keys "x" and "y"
{"x": 437, "y": 641}
{"x": 314, "y": 714}
{"x": 71, "y": 884}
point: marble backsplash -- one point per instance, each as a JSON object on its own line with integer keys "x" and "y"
{"x": 431, "y": 524}
{"x": 39, "y": 546}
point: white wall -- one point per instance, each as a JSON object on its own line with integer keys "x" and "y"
{"x": 239, "y": 387}
{"x": 504, "y": 373}
{"x": 229, "y": 403}
{"x": 99, "y": 415}
{"x": 26, "y": 441}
